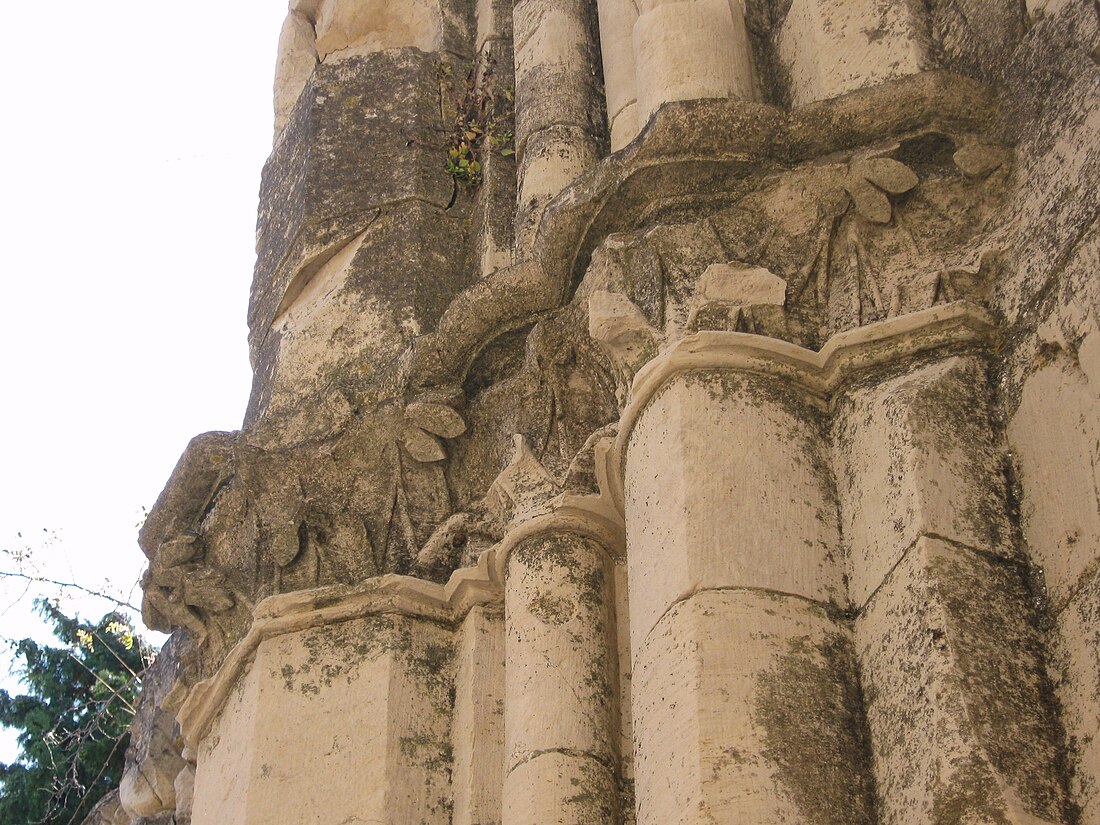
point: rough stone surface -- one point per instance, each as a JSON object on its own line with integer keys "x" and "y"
{"x": 153, "y": 759}
{"x": 1075, "y": 668}
{"x": 916, "y": 457}
{"x": 953, "y": 675}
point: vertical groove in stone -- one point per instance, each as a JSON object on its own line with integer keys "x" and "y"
{"x": 477, "y": 732}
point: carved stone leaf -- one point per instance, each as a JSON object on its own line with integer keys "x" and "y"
{"x": 979, "y": 159}
{"x": 438, "y": 419}
{"x": 423, "y": 447}
{"x": 870, "y": 180}
{"x": 203, "y": 589}
{"x": 886, "y": 173}
{"x": 871, "y": 202}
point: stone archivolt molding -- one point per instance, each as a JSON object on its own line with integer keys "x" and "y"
{"x": 599, "y": 517}
{"x": 688, "y": 147}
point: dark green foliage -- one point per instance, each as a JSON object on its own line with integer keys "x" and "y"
{"x": 73, "y": 720}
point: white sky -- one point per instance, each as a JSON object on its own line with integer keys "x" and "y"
{"x": 132, "y": 142}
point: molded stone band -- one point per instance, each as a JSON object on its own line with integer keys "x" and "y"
{"x": 593, "y": 517}
{"x": 302, "y": 610}
{"x": 819, "y": 373}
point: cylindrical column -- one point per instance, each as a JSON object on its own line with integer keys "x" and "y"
{"x": 690, "y": 50}
{"x": 830, "y": 47}
{"x": 560, "y": 712}
{"x": 559, "y": 103}
{"x": 746, "y": 703}
{"x": 617, "y": 19}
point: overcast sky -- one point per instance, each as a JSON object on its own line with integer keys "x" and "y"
{"x": 133, "y": 139}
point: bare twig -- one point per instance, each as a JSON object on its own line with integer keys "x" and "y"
{"x": 99, "y": 594}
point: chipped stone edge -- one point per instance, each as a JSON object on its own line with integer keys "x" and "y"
{"x": 819, "y": 373}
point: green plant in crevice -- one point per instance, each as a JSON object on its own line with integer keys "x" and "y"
{"x": 483, "y": 118}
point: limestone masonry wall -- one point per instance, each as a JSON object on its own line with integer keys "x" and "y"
{"x": 665, "y": 411}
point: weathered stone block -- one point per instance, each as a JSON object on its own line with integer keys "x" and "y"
{"x": 955, "y": 687}
{"x": 364, "y": 133}
{"x": 728, "y": 484}
{"x": 1052, "y": 89}
{"x": 345, "y": 319}
{"x": 829, "y": 47}
{"x": 741, "y": 284}
{"x": 185, "y": 794}
{"x": 296, "y": 62}
{"x": 153, "y": 761}
{"x": 747, "y": 709}
{"x": 368, "y": 699}
{"x": 916, "y": 456}
{"x": 976, "y": 37}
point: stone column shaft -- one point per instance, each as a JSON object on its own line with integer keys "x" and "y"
{"x": 561, "y": 713}
{"x": 617, "y": 19}
{"x": 830, "y": 47}
{"x": 690, "y": 50}
{"x": 559, "y": 102}
{"x": 738, "y": 648}
{"x": 945, "y": 633}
